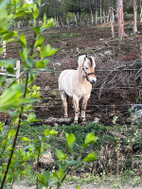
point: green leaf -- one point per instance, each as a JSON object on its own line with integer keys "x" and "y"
{"x": 29, "y": 62}
{"x": 42, "y": 64}
{"x": 46, "y": 51}
{"x": 56, "y": 175}
{"x": 23, "y": 40}
{"x": 50, "y": 132}
{"x": 4, "y": 142}
{"x": 70, "y": 139}
{"x": 46, "y": 175}
{"x": 91, "y": 157}
{"x": 31, "y": 117}
{"x": 36, "y": 13}
{"x": 90, "y": 138}
{"x": 39, "y": 42}
{"x": 60, "y": 155}
{"x": 51, "y": 51}
{"x": 25, "y": 139}
{"x": 45, "y": 178}
{"x": 43, "y": 52}
{"x": 50, "y": 23}
{"x": 41, "y": 180}
{"x": 78, "y": 187}
{"x": 20, "y": 13}
{"x": 37, "y": 30}
{"x": 53, "y": 132}
{"x": 3, "y": 80}
{"x": 9, "y": 35}
{"x": 11, "y": 133}
{"x": 8, "y": 63}
{"x": 39, "y": 2}
{"x": 24, "y": 54}
{"x": 1, "y": 126}
{"x": 47, "y": 24}
{"x": 61, "y": 174}
{"x": 10, "y": 70}
{"x": 12, "y": 97}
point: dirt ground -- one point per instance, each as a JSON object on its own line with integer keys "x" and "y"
{"x": 114, "y": 91}
{"x": 23, "y": 185}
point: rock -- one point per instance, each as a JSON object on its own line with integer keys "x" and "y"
{"x": 47, "y": 158}
{"x": 101, "y": 55}
{"x": 57, "y": 64}
{"x": 136, "y": 107}
{"x": 108, "y": 52}
{"x": 136, "y": 113}
{"x": 58, "y": 121}
{"x": 101, "y": 39}
{"x": 96, "y": 120}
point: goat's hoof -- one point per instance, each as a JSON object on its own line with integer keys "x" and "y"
{"x": 65, "y": 116}
{"x": 84, "y": 122}
{"x": 75, "y": 122}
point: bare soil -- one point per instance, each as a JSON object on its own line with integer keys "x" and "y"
{"x": 114, "y": 92}
{"x": 24, "y": 185}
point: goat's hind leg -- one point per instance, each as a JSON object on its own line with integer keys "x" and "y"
{"x": 64, "y": 98}
{"x": 76, "y": 107}
{"x": 83, "y": 111}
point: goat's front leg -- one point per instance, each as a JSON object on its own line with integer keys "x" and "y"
{"x": 83, "y": 110}
{"x": 76, "y": 107}
{"x": 65, "y": 105}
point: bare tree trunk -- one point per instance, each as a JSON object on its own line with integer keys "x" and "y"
{"x": 121, "y": 33}
{"x": 96, "y": 13}
{"x": 141, "y": 10}
{"x": 92, "y": 18}
{"x": 108, "y": 16}
{"x": 75, "y": 19}
{"x": 112, "y": 21}
{"x": 135, "y": 17}
{"x": 101, "y": 19}
{"x": 62, "y": 22}
{"x": 104, "y": 16}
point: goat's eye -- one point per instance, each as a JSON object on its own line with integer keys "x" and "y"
{"x": 86, "y": 68}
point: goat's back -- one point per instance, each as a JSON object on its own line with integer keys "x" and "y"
{"x": 66, "y": 81}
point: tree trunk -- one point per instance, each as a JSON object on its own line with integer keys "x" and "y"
{"x": 62, "y": 21}
{"x": 92, "y": 18}
{"x": 135, "y": 16}
{"x": 112, "y": 21}
{"x": 121, "y": 33}
{"x": 101, "y": 19}
{"x": 96, "y": 13}
{"x": 104, "y": 16}
{"x": 141, "y": 10}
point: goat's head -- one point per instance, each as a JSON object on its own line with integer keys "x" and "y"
{"x": 87, "y": 66}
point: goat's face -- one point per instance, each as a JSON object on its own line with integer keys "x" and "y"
{"x": 88, "y": 68}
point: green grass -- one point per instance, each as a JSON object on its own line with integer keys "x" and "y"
{"x": 61, "y": 36}
{"x": 116, "y": 182}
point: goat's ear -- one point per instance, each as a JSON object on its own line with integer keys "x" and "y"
{"x": 81, "y": 59}
{"x": 93, "y": 60}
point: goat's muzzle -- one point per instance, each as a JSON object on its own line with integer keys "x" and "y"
{"x": 92, "y": 79}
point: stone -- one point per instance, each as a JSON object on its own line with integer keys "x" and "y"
{"x": 96, "y": 120}
{"x": 136, "y": 113}
{"x": 57, "y": 64}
